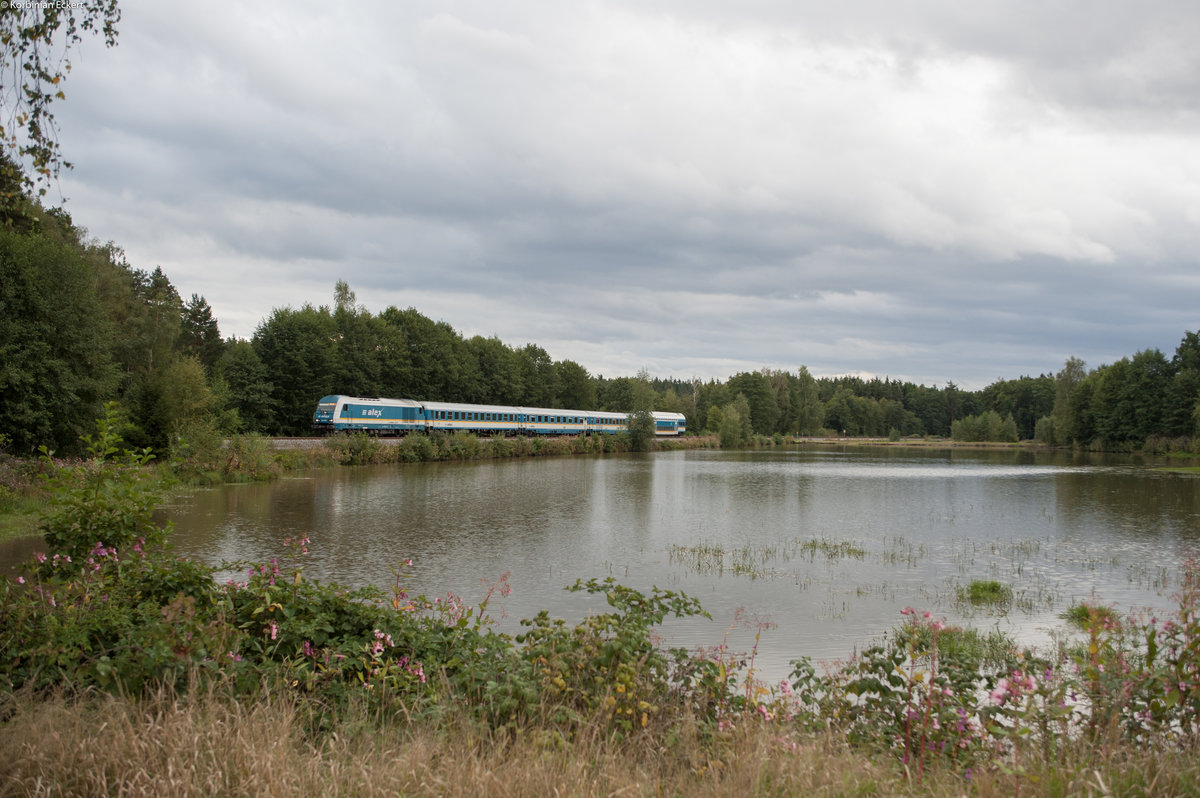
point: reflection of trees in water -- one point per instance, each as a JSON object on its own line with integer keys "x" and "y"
{"x": 1143, "y": 505}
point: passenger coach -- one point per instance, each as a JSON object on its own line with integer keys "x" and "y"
{"x": 400, "y": 416}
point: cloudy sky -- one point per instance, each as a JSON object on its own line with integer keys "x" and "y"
{"x": 929, "y": 190}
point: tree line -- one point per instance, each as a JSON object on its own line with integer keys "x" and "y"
{"x": 80, "y": 326}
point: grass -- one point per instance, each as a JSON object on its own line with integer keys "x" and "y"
{"x": 986, "y": 592}
{"x": 172, "y": 746}
{"x": 832, "y": 549}
{"x": 167, "y": 745}
{"x": 20, "y": 523}
{"x": 1083, "y": 615}
{"x": 993, "y": 649}
{"x": 754, "y": 560}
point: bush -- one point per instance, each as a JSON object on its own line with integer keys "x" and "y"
{"x": 354, "y": 448}
{"x": 106, "y": 502}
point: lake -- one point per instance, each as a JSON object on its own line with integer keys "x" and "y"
{"x": 813, "y": 550}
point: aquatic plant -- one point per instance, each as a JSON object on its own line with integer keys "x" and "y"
{"x": 986, "y": 591}
{"x": 1084, "y": 615}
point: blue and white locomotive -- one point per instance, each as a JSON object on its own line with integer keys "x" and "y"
{"x": 400, "y": 416}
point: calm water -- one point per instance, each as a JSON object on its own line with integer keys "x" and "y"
{"x": 731, "y": 528}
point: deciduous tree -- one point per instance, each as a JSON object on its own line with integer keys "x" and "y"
{"x": 36, "y": 41}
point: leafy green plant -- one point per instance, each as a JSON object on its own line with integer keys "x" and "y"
{"x": 107, "y": 501}
{"x": 608, "y": 664}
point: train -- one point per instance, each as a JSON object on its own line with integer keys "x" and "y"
{"x": 337, "y": 413}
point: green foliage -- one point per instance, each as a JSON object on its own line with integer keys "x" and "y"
{"x": 914, "y": 695}
{"x": 248, "y": 456}
{"x": 1044, "y": 431}
{"x": 1084, "y": 615}
{"x": 986, "y": 591}
{"x": 608, "y": 664}
{"x": 732, "y": 423}
{"x": 298, "y": 354}
{"x": 987, "y": 426}
{"x": 249, "y": 389}
{"x": 35, "y": 42}
{"x": 353, "y": 448}
{"x": 641, "y": 430}
{"x": 1025, "y": 400}
{"x": 199, "y": 336}
{"x": 55, "y": 369}
{"x": 761, "y": 400}
{"x": 105, "y": 503}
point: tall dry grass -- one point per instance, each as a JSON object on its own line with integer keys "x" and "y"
{"x": 169, "y": 746}
{"x": 207, "y": 744}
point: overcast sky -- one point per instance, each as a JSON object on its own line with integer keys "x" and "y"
{"x": 924, "y": 190}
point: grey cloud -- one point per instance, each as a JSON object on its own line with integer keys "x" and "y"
{"x": 925, "y": 190}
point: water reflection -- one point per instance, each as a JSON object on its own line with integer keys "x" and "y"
{"x": 1057, "y": 527}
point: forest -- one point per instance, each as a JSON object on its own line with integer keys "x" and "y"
{"x": 81, "y": 326}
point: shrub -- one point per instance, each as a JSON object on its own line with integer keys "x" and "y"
{"x": 354, "y": 448}
{"x": 106, "y": 501}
